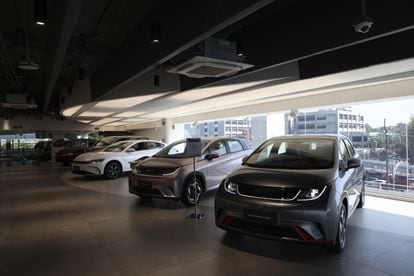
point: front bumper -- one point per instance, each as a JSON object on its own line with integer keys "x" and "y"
{"x": 155, "y": 186}
{"x": 64, "y": 158}
{"x": 86, "y": 169}
{"x": 310, "y": 222}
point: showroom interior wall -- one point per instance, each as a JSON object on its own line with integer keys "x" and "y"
{"x": 162, "y": 130}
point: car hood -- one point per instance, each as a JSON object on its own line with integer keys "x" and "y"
{"x": 96, "y": 148}
{"x": 283, "y": 178}
{"x": 155, "y": 162}
{"x": 69, "y": 150}
{"x": 63, "y": 152}
{"x": 93, "y": 156}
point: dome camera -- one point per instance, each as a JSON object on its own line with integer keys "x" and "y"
{"x": 363, "y": 25}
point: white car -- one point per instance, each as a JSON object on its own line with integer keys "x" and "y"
{"x": 113, "y": 160}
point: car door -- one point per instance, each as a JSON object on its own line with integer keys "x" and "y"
{"x": 346, "y": 175}
{"x": 218, "y": 168}
{"x": 236, "y": 154}
{"x": 130, "y": 154}
{"x": 357, "y": 173}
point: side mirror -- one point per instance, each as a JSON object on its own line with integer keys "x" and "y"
{"x": 130, "y": 150}
{"x": 353, "y": 163}
{"x": 211, "y": 156}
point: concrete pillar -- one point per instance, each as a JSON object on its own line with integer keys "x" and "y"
{"x": 173, "y": 132}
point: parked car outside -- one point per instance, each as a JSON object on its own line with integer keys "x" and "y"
{"x": 301, "y": 188}
{"x": 109, "y": 140}
{"x": 169, "y": 173}
{"x": 114, "y": 160}
{"x": 73, "y": 149}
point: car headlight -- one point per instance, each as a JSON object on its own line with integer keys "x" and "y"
{"x": 311, "y": 193}
{"x": 96, "y": 161}
{"x": 168, "y": 171}
{"x": 137, "y": 169}
{"x": 230, "y": 187}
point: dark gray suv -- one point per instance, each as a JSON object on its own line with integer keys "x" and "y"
{"x": 301, "y": 188}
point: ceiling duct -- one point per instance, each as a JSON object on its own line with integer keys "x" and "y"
{"x": 18, "y": 101}
{"x": 218, "y": 58}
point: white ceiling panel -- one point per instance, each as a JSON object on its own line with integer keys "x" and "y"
{"x": 104, "y": 121}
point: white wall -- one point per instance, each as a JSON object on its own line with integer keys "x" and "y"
{"x": 157, "y": 130}
{"x": 275, "y": 125}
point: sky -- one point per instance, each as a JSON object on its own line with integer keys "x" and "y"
{"x": 393, "y": 111}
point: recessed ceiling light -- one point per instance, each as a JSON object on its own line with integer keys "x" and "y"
{"x": 27, "y": 65}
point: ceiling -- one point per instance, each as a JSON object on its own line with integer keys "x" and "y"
{"x": 289, "y": 43}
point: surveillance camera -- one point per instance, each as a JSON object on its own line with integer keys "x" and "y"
{"x": 363, "y": 25}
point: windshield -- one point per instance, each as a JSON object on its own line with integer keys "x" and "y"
{"x": 106, "y": 141}
{"x": 294, "y": 154}
{"x": 118, "y": 147}
{"x": 177, "y": 149}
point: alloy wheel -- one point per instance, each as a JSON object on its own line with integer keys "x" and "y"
{"x": 342, "y": 228}
{"x": 113, "y": 170}
{"x": 191, "y": 189}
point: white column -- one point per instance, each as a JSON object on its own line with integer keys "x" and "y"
{"x": 173, "y": 132}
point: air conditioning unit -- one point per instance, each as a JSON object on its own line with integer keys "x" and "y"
{"x": 202, "y": 67}
{"x": 18, "y": 101}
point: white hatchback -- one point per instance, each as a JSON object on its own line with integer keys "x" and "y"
{"x": 114, "y": 160}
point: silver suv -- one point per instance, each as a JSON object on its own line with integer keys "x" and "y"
{"x": 169, "y": 173}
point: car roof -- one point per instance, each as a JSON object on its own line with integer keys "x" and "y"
{"x": 136, "y": 141}
{"x": 213, "y": 138}
{"x": 309, "y": 136}
{"x": 126, "y": 136}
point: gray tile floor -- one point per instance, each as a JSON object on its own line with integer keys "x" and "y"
{"x": 54, "y": 223}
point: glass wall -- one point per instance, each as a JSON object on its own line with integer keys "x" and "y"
{"x": 382, "y": 133}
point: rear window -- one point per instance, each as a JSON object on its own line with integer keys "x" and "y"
{"x": 294, "y": 154}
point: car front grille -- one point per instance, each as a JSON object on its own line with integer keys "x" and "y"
{"x": 152, "y": 192}
{"x": 265, "y": 229}
{"x": 273, "y": 193}
{"x": 154, "y": 170}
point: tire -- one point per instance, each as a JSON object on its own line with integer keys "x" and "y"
{"x": 340, "y": 240}
{"x": 361, "y": 202}
{"x": 112, "y": 170}
{"x": 187, "y": 195}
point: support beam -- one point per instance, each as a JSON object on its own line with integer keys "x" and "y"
{"x": 59, "y": 43}
{"x": 183, "y": 25}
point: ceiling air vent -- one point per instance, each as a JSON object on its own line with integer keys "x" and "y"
{"x": 18, "y": 101}
{"x": 202, "y": 67}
